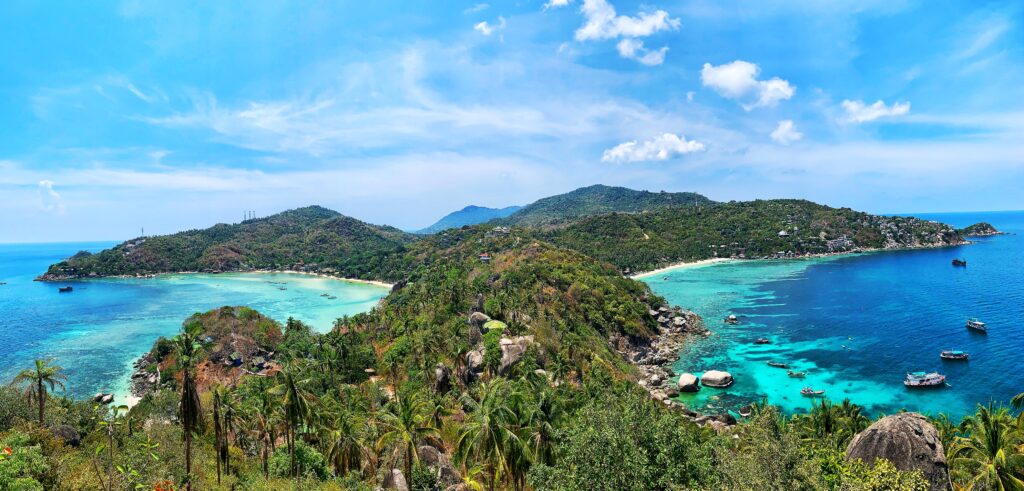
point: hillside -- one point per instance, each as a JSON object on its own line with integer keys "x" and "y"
{"x": 306, "y": 238}
{"x": 980, "y": 229}
{"x": 596, "y": 200}
{"x": 470, "y": 215}
{"x": 753, "y": 229}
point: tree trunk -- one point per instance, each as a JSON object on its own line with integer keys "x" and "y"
{"x": 188, "y": 461}
{"x": 42, "y": 400}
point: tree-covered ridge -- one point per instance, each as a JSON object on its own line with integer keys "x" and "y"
{"x": 979, "y": 229}
{"x": 305, "y": 238}
{"x": 596, "y": 200}
{"x": 750, "y": 229}
{"x": 470, "y": 215}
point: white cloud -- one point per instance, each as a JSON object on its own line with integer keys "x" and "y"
{"x": 634, "y": 49}
{"x": 664, "y": 147}
{"x": 554, "y": 4}
{"x": 603, "y": 23}
{"x": 50, "y": 200}
{"x": 689, "y": 96}
{"x": 487, "y": 29}
{"x": 480, "y": 7}
{"x": 738, "y": 80}
{"x": 786, "y": 132}
{"x": 858, "y": 112}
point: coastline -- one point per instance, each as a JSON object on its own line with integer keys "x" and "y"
{"x": 683, "y": 265}
{"x": 252, "y": 271}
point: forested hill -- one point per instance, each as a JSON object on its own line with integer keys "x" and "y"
{"x": 470, "y": 215}
{"x": 306, "y": 238}
{"x": 596, "y": 200}
{"x": 751, "y": 229}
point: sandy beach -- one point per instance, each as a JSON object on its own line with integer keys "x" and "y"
{"x": 682, "y": 265}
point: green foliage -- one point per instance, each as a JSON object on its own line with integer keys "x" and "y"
{"x": 882, "y": 476}
{"x": 423, "y": 479}
{"x": 22, "y": 463}
{"x": 13, "y": 409}
{"x": 307, "y": 458}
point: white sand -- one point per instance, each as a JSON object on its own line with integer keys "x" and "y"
{"x": 683, "y": 265}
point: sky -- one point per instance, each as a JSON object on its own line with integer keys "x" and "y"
{"x": 172, "y": 116}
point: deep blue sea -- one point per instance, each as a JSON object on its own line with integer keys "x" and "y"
{"x": 857, "y": 323}
{"x": 97, "y": 331}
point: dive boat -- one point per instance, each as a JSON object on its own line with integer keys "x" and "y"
{"x": 976, "y": 325}
{"x": 954, "y": 355}
{"x": 731, "y": 319}
{"x": 778, "y": 364}
{"x": 922, "y": 379}
{"x": 809, "y": 392}
{"x": 960, "y": 262}
{"x": 65, "y": 289}
{"x": 762, "y": 341}
{"x": 793, "y": 374}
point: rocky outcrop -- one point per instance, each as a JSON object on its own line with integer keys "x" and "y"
{"x": 716, "y": 378}
{"x": 396, "y": 480}
{"x": 512, "y": 350}
{"x": 442, "y": 379}
{"x": 142, "y": 381}
{"x": 980, "y": 229}
{"x": 435, "y": 460}
{"x": 907, "y": 440}
{"x": 688, "y": 382}
{"x": 68, "y": 435}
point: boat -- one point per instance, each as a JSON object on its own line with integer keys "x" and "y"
{"x": 778, "y": 364}
{"x": 762, "y": 341}
{"x": 732, "y": 319}
{"x": 746, "y": 411}
{"x": 65, "y": 289}
{"x": 809, "y": 392}
{"x": 954, "y": 355}
{"x": 976, "y": 325}
{"x": 793, "y": 374}
{"x": 923, "y": 379}
{"x": 960, "y": 262}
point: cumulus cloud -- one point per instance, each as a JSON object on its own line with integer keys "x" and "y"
{"x": 786, "y": 132}
{"x": 664, "y": 147}
{"x": 738, "y": 80}
{"x": 554, "y": 4}
{"x": 476, "y": 8}
{"x": 633, "y": 49}
{"x": 50, "y": 200}
{"x": 859, "y": 112}
{"x": 601, "y": 22}
{"x": 487, "y": 29}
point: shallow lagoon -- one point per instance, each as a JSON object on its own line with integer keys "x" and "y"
{"x": 97, "y": 331}
{"x": 857, "y": 323}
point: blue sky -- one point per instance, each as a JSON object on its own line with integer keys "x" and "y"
{"x": 171, "y": 116}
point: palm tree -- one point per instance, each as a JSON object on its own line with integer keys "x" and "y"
{"x": 488, "y": 434}
{"x": 187, "y": 353}
{"x": 295, "y": 401}
{"x": 343, "y": 441}
{"x": 987, "y": 457}
{"x": 405, "y": 422}
{"x": 37, "y": 379}
{"x": 1018, "y": 401}
{"x": 261, "y": 407}
{"x": 223, "y": 419}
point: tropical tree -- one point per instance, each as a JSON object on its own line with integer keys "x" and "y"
{"x": 37, "y": 379}
{"x": 295, "y": 401}
{"x": 188, "y": 351}
{"x": 405, "y": 422}
{"x": 987, "y": 458}
{"x": 489, "y": 432}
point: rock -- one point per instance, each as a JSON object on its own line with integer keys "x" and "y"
{"x": 475, "y": 360}
{"x": 396, "y": 480}
{"x": 478, "y": 306}
{"x": 671, "y": 391}
{"x": 512, "y": 350}
{"x": 726, "y": 419}
{"x": 678, "y": 321}
{"x": 68, "y": 435}
{"x": 688, "y": 382}
{"x": 478, "y": 319}
{"x": 716, "y": 378}
{"x": 655, "y": 381}
{"x": 447, "y": 474}
{"x": 907, "y": 440}
{"x": 442, "y": 379}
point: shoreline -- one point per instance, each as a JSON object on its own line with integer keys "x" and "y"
{"x": 820, "y": 255}
{"x": 253, "y": 271}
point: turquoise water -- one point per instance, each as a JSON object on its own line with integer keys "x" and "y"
{"x": 97, "y": 331}
{"x": 856, "y": 324}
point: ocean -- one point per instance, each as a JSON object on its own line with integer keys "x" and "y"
{"x": 856, "y": 324}
{"x": 97, "y": 331}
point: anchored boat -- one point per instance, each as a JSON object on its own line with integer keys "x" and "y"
{"x": 954, "y": 355}
{"x": 732, "y": 319}
{"x": 923, "y": 379}
{"x": 960, "y": 262}
{"x": 762, "y": 341}
{"x": 778, "y": 364}
{"x": 793, "y": 374}
{"x": 809, "y": 392}
{"x": 65, "y": 289}
{"x": 977, "y": 325}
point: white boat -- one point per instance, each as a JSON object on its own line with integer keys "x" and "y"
{"x": 977, "y": 325}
